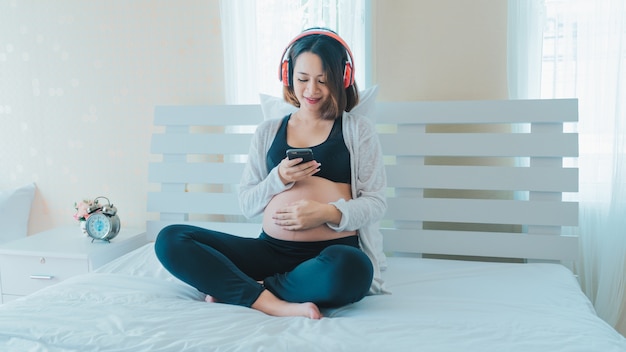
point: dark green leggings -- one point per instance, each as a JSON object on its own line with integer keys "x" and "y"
{"x": 328, "y": 273}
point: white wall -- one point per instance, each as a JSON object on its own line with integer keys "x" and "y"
{"x": 78, "y": 83}
{"x": 79, "y": 80}
{"x": 440, "y": 49}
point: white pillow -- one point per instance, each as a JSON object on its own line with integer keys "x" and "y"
{"x": 276, "y": 108}
{"x": 367, "y": 103}
{"x": 15, "y": 211}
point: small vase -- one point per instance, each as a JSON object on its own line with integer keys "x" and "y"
{"x": 83, "y": 227}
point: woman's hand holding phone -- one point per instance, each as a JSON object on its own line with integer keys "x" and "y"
{"x": 298, "y": 164}
{"x": 305, "y": 153}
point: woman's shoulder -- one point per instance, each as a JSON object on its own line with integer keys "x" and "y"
{"x": 358, "y": 122}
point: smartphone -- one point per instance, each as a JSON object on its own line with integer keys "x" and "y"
{"x": 305, "y": 153}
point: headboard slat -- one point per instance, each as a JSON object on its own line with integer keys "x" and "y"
{"x": 506, "y": 245}
{"x": 194, "y": 202}
{"x": 240, "y": 228}
{"x": 200, "y": 143}
{"x": 477, "y": 111}
{"x": 200, "y": 173}
{"x": 487, "y": 211}
{"x": 207, "y": 115}
{"x": 489, "y": 178}
{"x": 481, "y": 144}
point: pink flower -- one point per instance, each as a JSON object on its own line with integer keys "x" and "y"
{"x": 81, "y": 209}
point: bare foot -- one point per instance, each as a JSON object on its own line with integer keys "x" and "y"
{"x": 210, "y": 299}
{"x": 272, "y": 305}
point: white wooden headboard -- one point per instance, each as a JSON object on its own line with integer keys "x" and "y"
{"x": 476, "y": 178}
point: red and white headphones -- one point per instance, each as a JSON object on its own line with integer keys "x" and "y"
{"x": 285, "y": 64}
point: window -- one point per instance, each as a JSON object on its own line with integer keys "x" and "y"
{"x": 558, "y": 68}
{"x": 584, "y": 56}
{"x": 255, "y": 33}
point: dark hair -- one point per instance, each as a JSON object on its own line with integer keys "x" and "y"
{"x": 334, "y": 57}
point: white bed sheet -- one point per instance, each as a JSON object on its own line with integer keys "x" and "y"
{"x": 133, "y": 304}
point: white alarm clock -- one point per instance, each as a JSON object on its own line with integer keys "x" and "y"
{"x": 103, "y": 223}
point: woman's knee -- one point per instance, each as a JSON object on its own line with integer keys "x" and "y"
{"x": 353, "y": 273}
{"x": 349, "y": 260}
{"x": 168, "y": 241}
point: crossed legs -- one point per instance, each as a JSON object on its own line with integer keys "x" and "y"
{"x": 228, "y": 268}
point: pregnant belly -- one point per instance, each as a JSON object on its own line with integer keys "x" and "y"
{"x": 317, "y": 189}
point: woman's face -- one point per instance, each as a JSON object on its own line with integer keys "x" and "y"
{"x": 309, "y": 82}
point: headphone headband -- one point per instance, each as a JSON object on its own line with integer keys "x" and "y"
{"x": 283, "y": 72}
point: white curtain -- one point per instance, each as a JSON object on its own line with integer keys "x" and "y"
{"x": 524, "y": 42}
{"x": 255, "y": 33}
{"x": 238, "y": 18}
{"x": 585, "y": 57}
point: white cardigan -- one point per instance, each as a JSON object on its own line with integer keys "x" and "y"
{"x": 368, "y": 182}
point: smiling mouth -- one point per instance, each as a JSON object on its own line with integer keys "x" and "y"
{"x": 312, "y": 100}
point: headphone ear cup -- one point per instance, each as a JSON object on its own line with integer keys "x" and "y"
{"x": 347, "y": 75}
{"x": 285, "y": 72}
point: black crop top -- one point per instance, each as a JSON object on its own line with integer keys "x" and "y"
{"x": 332, "y": 153}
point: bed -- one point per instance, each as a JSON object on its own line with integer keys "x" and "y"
{"x": 477, "y": 251}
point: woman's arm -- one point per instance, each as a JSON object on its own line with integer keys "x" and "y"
{"x": 258, "y": 186}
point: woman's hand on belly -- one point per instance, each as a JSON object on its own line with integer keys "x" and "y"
{"x": 305, "y": 214}
{"x": 302, "y": 212}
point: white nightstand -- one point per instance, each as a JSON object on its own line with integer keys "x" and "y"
{"x": 49, "y": 257}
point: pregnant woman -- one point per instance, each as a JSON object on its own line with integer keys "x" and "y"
{"x": 316, "y": 246}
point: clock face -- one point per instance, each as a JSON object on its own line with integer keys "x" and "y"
{"x": 98, "y": 225}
